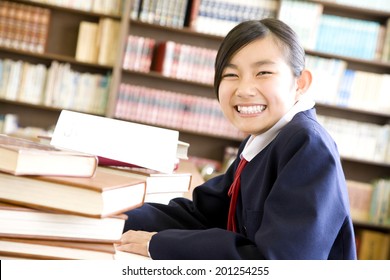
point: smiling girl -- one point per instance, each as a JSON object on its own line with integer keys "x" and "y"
{"x": 291, "y": 201}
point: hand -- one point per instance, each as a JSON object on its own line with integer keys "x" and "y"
{"x": 135, "y": 241}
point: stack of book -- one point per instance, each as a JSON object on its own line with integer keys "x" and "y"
{"x": 57, "y": 201}
{"x": 58, "y": 204}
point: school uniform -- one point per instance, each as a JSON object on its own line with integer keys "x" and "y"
{"x": 293, "y": 202}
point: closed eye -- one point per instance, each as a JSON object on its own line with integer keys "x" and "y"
{"x": 229, "y": 75}
{"x": 263, "y": 73}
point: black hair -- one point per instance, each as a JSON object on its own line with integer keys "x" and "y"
{"x": 248, "y": 31}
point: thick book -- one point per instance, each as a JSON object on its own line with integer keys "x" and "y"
{"x": 87, "y": 45}
{"x": 22, "y": 222}
{"x": 108, "y": 40}
{"x": 55, "y": 250}
{"x": 25, "y": 157}
{"x": 102, "y": 195}
{"x": 142, "y": 145}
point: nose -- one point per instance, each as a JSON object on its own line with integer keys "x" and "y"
{"x": 246, "y": 88}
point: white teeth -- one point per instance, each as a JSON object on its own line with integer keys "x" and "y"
{"x": 251, "y": 109}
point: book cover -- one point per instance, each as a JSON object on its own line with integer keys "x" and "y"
{"x": 17, "y": 221}
{"x": 25, "y": 157}
{"x": 102, "y": 195}
{"x": 143, "y": 145}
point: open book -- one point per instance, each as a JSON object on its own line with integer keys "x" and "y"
{"x": 141, "y": 145}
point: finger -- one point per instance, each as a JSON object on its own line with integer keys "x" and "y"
{"x": 133, "y": 248}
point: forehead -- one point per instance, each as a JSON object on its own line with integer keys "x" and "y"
{"x": 263, "y": 48}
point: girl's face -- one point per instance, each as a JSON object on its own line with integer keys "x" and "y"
{"x": 257, "y": 87}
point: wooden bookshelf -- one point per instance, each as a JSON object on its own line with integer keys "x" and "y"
{"x": 62, "y": 48}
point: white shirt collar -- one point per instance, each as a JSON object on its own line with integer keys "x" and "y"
{"x": 257, "y": 143}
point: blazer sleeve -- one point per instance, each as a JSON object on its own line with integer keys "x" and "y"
{"x": 204, "y": 211}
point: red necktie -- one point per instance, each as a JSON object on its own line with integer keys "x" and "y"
{"x": 233, "y": 193}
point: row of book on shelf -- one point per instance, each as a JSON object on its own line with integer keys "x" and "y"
{"x": 333, "y": 83}
{"x": 333, "y": 34}
{"x": 56, "y": 86}
{"x": 215, "y": 17}
{"x": 61, "y": 203}
{"x": 370, "y": 205}
{"x": 171, "y": 109}
{"x": 218, "y": 17}
{"x": 322, "y": 32}
{"x": 170, "y": 13}
{"x": 23, "y": 26}
{"x": 351, "y": 136}
{"x": 370, "y": 201}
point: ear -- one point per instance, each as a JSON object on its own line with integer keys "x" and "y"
{"x": 304, "y": 81}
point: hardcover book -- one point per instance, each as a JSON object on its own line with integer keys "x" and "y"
{"x": 22, "y": 222}
{"x": 25, "y": 157}
{"x": 102, "y": 195}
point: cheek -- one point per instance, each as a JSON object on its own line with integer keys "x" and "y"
{"x": 223, "y": 93}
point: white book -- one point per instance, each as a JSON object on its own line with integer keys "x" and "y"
{"x": 142, "y": 145}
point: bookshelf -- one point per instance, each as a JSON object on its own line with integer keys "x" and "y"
{"x": 62, "y": 43}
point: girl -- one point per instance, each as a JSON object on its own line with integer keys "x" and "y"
{"x": 292, "y": 200}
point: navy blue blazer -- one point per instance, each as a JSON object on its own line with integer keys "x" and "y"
{"x": 293, "y": 205}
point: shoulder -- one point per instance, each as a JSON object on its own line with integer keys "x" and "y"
{"x": 304, "y": 129}
{"x": 304, "y": 123}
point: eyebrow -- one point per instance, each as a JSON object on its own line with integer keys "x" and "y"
{"x": 255, "y": 64}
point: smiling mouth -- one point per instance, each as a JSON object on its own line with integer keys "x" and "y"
{"x": 250, "y": 109}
